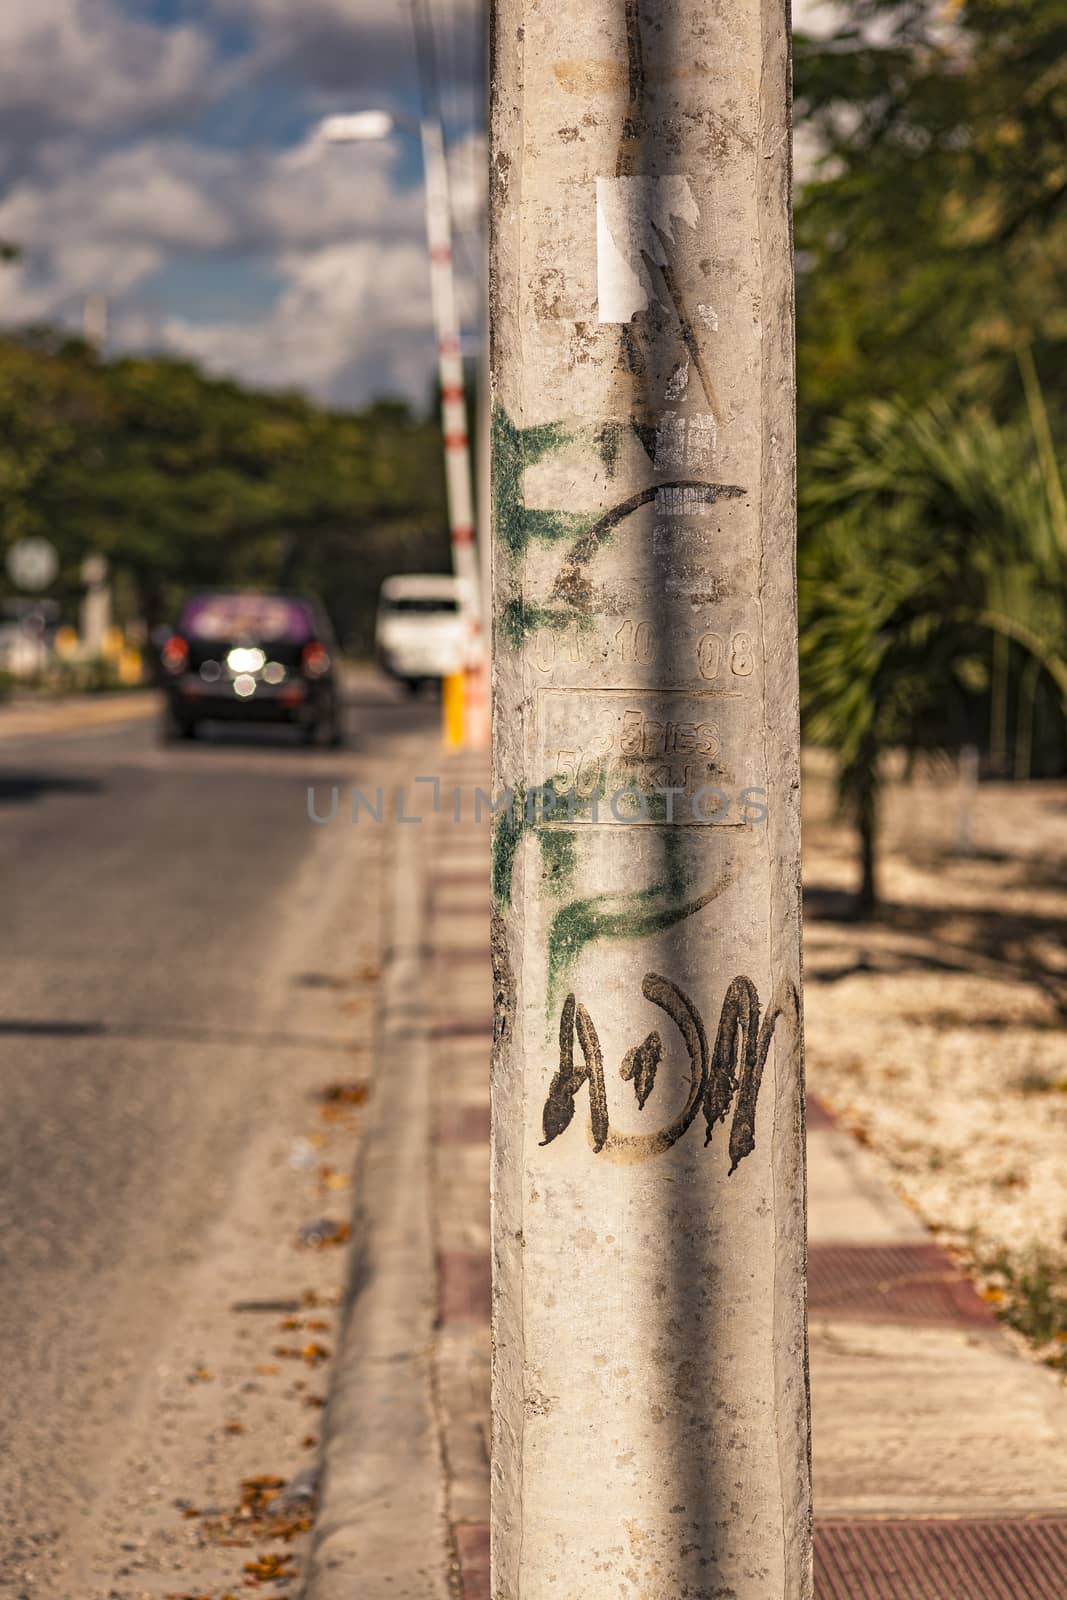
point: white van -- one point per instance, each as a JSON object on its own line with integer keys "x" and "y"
{"x": 420, "y": 633}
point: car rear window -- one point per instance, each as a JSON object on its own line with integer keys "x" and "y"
{"x": 270, "y": 618}
{"x": 423, "y": 603}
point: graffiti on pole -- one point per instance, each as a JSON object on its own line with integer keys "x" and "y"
{"x": 726, "y": 1075}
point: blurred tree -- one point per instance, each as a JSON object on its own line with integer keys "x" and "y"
{"x": 932, "y": 239}
{"x": 925, "y": 534}
{"x": 932, "y": 251}
{"x": 186, "y": 481}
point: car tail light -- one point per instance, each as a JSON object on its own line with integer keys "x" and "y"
{"x": 175, "y": 654}
{"x": 315, "y": 660}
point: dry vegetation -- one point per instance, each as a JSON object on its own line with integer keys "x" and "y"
{"x": 938, "y": 1033}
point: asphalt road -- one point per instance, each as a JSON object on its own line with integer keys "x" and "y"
{"x": 146, "y": 911}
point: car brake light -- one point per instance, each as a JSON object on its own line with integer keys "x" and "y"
{"x": 175, "y": 654}
{"x": 315, "y": 660}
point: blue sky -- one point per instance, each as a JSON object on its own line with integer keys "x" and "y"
{"x": 156, "y": 152}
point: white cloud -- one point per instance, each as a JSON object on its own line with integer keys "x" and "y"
{"x": 173, "y": 196}
{"x": 353, "y": 321}
{"x": 347, "y": 243}
{"x": 103, "y": 194}
{"x": 356, "y": 47}
{"x": 83, "y": 65}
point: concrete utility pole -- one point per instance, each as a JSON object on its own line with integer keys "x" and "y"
{"x": 650, "y": 1391}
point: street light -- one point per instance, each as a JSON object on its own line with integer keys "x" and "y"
{"x": 355, "y": 126}
{"x": 360, "y": 127}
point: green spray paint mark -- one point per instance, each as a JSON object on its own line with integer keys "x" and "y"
{"x": 552, "y": 526}
{"x": 507, "y": 831}
{"x": 510, "y": 825}
{"x": 632, "y": 915}
{"x": 515, "y": 449}
{"x": 559, "y": 857}
{"x": 519, "y": 618}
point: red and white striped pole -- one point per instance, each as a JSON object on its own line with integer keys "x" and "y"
{"x": 453, "y": 397}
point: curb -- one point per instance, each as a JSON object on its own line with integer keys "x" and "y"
{"x": 18, "y": 721}
{"x": 382, "y": 1529}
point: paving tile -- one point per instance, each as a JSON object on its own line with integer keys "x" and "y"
{"x": 462, "y": 1125}
{"x": 847, "y": 1201}
{"x": 917, "y": 1421}
{"x": 463, "y": 1286}
{"x": 1006, "y": 1559}
{"x": 906, "y": 1282}
{"x": 472, "y": 1547}
{"x": 478, "y": 1027}
{"x": 816, "y": 1115}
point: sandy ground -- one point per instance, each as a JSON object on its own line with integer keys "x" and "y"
{"x": 938, "y": 1032}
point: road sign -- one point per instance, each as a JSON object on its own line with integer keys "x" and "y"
{"x": 32, "y": 563}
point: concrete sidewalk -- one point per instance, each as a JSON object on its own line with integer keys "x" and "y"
{"x": 24, "y": 714}
{"x": 939, "y": 1450}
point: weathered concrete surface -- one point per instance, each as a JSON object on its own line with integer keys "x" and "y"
{"x": 29, "y": 714}
{"x": 846, "y": 1200}
{"x": 933, "y": 1421}
{"x": 650, "y": 1423}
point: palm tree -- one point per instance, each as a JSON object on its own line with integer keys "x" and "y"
{"x": 923, "y": 530}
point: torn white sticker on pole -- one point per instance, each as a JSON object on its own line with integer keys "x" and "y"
{"x": 636, "y": 220}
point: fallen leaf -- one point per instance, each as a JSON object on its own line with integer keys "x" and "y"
{"x": 265, "y": 1569}
{"x": 324, "y": 1233}
{"x": 287, "y": 1531}
{"x": 346, "y": 1094}
{"x": 314, "y": 1354}
{"x": 257, "y": 1495}
{"x": 201, "y": 1375}
{"x": 309, "y": 1441}
{"x": 265, "y": 1305}
{"x": 341, "y": 1116}
{"x": 233, "y": 1427}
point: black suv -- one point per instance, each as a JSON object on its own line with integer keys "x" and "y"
{"x": 250, "y": 657}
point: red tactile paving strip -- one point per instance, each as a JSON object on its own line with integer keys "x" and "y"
{"x": 816, "y": 1115}
{"x": 463, "y": 1286}
{"x": 1009, "y": 1559}
{"x": 447, "y": 904}
{"x": 472, "y": 1547}
{"x": 891, "y": 1283}
{"x": 455, "y": 954}
{"x": 463, "y": 1028}
{"x": 462, "y": 1125}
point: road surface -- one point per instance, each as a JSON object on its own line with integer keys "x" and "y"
{"x": 160, "y": 906}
